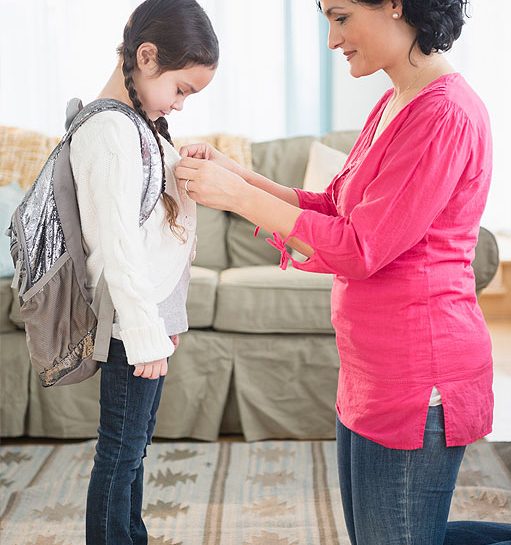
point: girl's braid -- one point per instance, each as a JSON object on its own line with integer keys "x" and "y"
{"x": 161, "y": 126}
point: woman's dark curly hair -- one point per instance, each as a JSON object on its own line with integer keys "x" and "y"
{"x": 184, "y": 37}
{"x": 438, "y": 22}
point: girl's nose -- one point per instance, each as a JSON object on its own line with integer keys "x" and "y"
{"x": 178, "y": 104}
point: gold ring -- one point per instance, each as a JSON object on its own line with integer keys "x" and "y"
{"x": 186, "y": 185}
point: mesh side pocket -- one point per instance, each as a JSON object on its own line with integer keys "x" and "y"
{"x": 60, "y": 326}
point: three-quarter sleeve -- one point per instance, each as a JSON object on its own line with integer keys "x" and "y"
{"x": 320, "y": 202}
{"x": 413, "y": 182}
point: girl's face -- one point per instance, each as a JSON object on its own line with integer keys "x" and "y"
{"x": 368, "y": 35}
{"x": 162, "y": 93}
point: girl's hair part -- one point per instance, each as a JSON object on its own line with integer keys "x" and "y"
{"x": 184, "y": 37}
{"x": 438, "y": 22}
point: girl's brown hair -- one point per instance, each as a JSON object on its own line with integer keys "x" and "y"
{"x": 184, "y": 37}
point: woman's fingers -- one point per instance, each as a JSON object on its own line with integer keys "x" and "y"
{"x": 197, "y": 151}
{"x": 192, "y": 162}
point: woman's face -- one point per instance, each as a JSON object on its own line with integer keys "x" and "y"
{"x": 368, "y": 35}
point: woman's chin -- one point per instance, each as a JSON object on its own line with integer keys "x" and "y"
{"x": 360, "y": 72}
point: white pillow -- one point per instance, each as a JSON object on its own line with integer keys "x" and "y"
{"x": 323, "y": 164}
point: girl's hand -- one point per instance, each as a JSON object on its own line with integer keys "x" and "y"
{"x": 208, "y": 152}
{"x": 152, "y": 369}
{"x": 210, "y": 184}
{"x": 175, "y": 340}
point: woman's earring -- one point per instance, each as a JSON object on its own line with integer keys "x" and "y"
{"x": 395, "y": 15}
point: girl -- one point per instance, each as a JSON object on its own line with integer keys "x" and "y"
{"x": 169, "y": 52}
{"x": 397, "y": 227}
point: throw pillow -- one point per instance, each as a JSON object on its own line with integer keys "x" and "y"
{"x": 324, "y": 163}
{"x": 10, "y": 196}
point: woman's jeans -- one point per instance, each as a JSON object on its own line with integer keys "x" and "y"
{"x": 127, "y": 419}
{"x": 402, "y": 497}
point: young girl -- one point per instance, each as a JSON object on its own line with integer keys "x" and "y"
{"x": 169, "y": 52}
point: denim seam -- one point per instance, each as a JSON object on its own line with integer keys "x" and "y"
{"x": 117, "y": 461}
{"x": 408, "y": 536}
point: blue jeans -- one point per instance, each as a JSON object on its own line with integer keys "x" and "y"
{"x": 127, "y": 420}
{"x": 402, "y": 497}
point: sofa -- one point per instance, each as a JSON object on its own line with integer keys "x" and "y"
{"x": 260, "y": 357}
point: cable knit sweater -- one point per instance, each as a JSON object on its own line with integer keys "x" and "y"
{"x": 142, "y": 265}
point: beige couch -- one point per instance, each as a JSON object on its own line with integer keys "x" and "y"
{"x": 260, "y": 357}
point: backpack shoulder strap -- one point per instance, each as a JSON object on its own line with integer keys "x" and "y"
{"x": 104, "y": 310}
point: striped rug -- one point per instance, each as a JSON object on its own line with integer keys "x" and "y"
{"x": 228, "y": 493}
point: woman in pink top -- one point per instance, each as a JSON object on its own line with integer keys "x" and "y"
{"x": 397, "y": 227}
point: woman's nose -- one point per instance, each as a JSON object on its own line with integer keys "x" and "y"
{"x": 335, "y": 38}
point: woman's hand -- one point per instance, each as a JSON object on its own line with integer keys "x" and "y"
{"x": 152, "y": 370}
{"x": 210, "y": 184}
{"x": 208, "y": 152}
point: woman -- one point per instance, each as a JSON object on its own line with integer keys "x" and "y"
{"x": 397, "y": 227}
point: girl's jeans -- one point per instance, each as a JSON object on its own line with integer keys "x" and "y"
{"x": 127, "y": 419}
{"x": 402, "y": 497}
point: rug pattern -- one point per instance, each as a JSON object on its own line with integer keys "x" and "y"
{"x": 267, "y": 493}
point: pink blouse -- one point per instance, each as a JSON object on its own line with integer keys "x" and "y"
{"x": 398, "y": 228}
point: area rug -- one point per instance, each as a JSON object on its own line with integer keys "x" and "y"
{"x": 227, "y": 493}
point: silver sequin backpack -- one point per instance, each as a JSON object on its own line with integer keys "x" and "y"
{"x": 67, "y": 332}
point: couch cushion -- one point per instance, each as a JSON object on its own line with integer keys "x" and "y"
{"x": 5, "y": 305}
{"x": 486, "y": 261}
{"x": 284, "y": 162}
{"x": 244, "y": 249}
{"x": 266, "y": 299}
{"x": 340, "y": 140}
{"x": 14, "y": 383}
{"x": 200, "y": 304}
{"x": 211, "y": 234}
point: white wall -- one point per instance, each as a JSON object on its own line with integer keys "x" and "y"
{"x": 353, "y": 99}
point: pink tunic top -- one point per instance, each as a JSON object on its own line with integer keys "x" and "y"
{"x": 398, "y": 228}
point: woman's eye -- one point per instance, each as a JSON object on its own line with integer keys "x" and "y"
{"x": 341, "y": 19}
{"x": 180, "y": 91}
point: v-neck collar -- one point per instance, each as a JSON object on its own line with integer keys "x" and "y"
{"x": 378, "y": 116}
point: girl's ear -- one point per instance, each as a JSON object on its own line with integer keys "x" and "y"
{"x": 147, "y": 54}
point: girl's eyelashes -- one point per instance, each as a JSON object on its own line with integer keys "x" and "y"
{"x": 341, "y": 19}
{"x": 180, "y": 91}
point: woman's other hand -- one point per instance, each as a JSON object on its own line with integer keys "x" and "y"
{"x": 152, "y": 370}
{"x": 210, "y": 184}
{"x": 208, "y": 152}
{"x": 175, "y": 340}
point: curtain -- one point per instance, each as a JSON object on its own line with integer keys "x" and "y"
{"x": 482, "y": 56}
{"x": 276, "y": 76}
{"x": 267, "y": 84}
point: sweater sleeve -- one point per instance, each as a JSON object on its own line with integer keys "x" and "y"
{"x": 106, "y": 154}
{"x": 417, "y": 176}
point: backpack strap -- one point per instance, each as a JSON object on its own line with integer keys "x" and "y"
{"x": 104, "y": 309}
